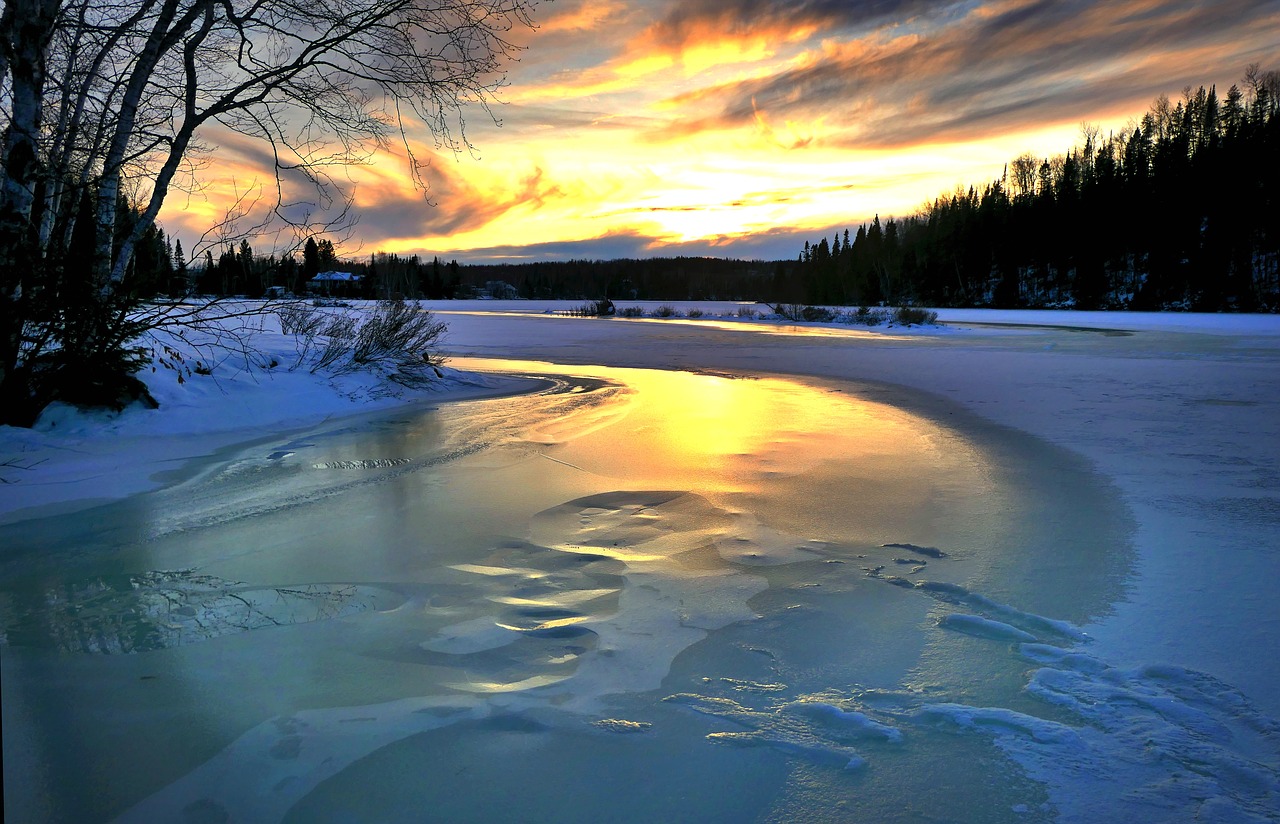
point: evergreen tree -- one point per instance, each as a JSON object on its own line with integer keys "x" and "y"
{"x": 310, "y": 259}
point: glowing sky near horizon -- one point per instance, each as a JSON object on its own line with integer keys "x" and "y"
{"x": 740, "y": 128}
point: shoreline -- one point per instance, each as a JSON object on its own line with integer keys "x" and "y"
{"x": 82, "y": 469}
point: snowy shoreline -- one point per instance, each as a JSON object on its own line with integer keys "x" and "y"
{"x": 72, "y": 460}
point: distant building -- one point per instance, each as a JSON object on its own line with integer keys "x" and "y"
{"x": 341, "y": 284}
{"x": 500, "y": 290}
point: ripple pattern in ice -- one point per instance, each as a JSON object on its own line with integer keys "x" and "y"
{"x": 1147, "y": 743}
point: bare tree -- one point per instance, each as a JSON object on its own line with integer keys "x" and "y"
{"x": 104, "y": 98}
{"x": 1024, "y": 172}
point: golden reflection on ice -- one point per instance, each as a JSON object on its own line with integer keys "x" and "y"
{"x": 717, "y": 432}
{"x": 812, "y": 458}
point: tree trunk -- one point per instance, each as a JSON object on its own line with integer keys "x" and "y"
{"x": 26, "y": 28}
{"x": 107, "y": 272}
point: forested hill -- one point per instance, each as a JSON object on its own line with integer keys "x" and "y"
{"x": 1181, "y": 211}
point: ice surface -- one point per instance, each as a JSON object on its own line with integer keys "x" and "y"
{"x": 517, "y": 590}
{"x": 1031, "y": 623}
{"x": 983, "y": 627}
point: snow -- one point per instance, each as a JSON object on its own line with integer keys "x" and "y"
{"x": 984, "y": 627}
{"x": 1159, "y": 706}
{"x": 73, "y": 459}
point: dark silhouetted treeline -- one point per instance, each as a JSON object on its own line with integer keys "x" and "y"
{"x": 680, "y": 278}
{"x": 1180, "y": 211}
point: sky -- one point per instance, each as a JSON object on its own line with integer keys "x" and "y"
{"x": 742, "y": 128}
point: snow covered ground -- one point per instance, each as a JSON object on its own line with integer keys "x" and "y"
{"x": 1163, "y": 700}
{"x": 74, "y": 459}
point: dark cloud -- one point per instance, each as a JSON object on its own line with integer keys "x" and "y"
{"x": 519, "y": 117}
{"x": 963, "y": 80}
{"x": 690, "y": 19}
{"x": 606, "y": 247}
{"x": 454, "y": 207}
{"x": 778, "y": 244}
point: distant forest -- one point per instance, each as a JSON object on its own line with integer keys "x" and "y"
{"x": 1181, "y": 210}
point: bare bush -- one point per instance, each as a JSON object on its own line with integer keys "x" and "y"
{"x": 631, "y": 312}
{"x": 337, "y": 334}
{"x": 299, "y": 319}
{"x": 666, "y": 310}
{"x": 908, "y": 315}
{"x": 396, "y": 331}
{"x": 398, "y": 338}
{"x": 867, "y": 316}
{"x": 695, "y": 313}
{"x": 801, "y": 312}
{"x": 595, "y": 309}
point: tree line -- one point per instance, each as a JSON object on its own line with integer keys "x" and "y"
{"x": 1179, "y": 211}
{"x": 239, "y": 271}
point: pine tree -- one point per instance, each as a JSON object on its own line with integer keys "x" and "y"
{"x": 310, "y": 259}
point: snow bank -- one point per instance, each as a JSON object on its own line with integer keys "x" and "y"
{"x": 72, "y": 458}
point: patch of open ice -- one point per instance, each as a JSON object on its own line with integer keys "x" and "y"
{"x": 476, "y": 635}
{"x": 275, "y": 764}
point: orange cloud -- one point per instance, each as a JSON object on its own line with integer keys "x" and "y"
{"x": 670, "y": 121}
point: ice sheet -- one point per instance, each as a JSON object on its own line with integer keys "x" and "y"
{"x": 1142, "y": 690}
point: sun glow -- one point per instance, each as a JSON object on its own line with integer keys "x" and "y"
{"x": 695, "y": 126}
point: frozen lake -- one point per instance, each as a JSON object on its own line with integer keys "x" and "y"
{"x": 878, "y": 592}
{"x": 631, "y": 595}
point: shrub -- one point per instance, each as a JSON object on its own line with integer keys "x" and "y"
{"x": 748, "y": 312}
{"x": 867, "y": 316}
{"x": 396, "y": 330}
{"x": 594, "y": 309}
{"x": 908, "y": 315}
{"x": 695, "y": 313}
{"x": 666, "y": 310}
{"x": 397, "y": 337}
{"x": 631, "y": 312}
{"x": 817, "y": 314}
{"x": 800, "y": 311}
{"x": 299, "y": 319}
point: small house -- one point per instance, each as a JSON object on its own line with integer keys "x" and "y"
{"x": 335, "y": 284}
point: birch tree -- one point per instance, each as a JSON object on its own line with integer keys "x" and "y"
{"x": 103, "y": 98}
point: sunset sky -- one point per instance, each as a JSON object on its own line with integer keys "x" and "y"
{"x": 740, "y": 128}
